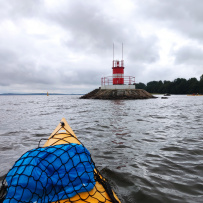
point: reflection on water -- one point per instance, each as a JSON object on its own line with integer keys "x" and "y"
{"x": 150, "y": 150}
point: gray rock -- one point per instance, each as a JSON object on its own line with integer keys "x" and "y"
{"x": 118, "y": 94}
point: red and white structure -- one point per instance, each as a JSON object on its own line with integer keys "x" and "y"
{"x": 118, "y": 80}
{"x": 118, "y": 72}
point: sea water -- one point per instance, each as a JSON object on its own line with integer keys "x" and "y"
{"x": 149, "y": 150}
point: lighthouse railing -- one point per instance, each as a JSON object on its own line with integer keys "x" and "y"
{"x": 128, "y": 80}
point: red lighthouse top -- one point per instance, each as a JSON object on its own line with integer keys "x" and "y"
{"x": 118, "y": 72}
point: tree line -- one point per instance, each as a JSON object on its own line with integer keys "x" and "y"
{"x": 178, "y": 86}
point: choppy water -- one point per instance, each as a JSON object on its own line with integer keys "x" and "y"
{"x": 150, "y": 150}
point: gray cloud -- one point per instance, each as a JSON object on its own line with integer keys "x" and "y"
{"x": 91, "y": 30}
{"x": 69, "y": 44}
{"x": 190, "y": 55}
{"x": 184, "y": 16}
{"x": 15, "y": 10}
{"x": 143, "y": 50}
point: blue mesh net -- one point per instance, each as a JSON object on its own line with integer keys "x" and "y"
{"x": 50, "y": 174}
{"x": 57, "y": 172}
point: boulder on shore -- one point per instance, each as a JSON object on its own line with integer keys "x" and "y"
{"x": 118, "y": 94}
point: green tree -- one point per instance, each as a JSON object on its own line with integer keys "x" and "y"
{"x": 193, "y": 86}
{"x": 154, "y": 86}
{"x": 201, "y": 77}
{"x": 141, "y": 85}
{"x": 201, "y": 84}
{"x": 167, "y": 86}
{"x": 181, "y": 86}
{"x": 178, "y": 86}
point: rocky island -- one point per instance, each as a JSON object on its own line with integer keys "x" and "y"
{"x": 117, "y": 94}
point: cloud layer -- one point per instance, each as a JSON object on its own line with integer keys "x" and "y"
{"x": 66, "y": 46}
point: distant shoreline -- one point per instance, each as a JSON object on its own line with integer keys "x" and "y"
{"x": 12, "y": 94}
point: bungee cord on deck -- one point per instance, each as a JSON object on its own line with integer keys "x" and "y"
{"x": 59, "y": 172}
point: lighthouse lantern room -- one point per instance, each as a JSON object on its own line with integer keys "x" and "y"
{"x": 118, "y": 72}
{"x": 118, "y": 80}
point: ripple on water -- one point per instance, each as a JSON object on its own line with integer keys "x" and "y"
{"x": 150, "y": 150}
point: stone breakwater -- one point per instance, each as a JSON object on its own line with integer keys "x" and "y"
{"x": 118, "y": 94}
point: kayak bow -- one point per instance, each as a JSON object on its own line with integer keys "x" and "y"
{"x": 63, "y": 134}
{"x": 62, "y": 171}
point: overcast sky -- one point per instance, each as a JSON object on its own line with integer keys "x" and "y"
{"x": 65, "y": 46}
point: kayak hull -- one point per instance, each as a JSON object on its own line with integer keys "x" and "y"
{"x": 63, "y": 134}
